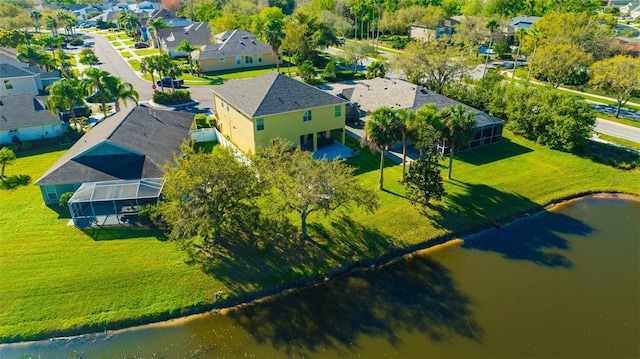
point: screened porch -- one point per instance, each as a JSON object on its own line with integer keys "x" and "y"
{"x": 112, "y": 202}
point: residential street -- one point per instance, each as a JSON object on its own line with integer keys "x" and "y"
{"x": 618, "y": 130}
{"x": 111, "y": 61}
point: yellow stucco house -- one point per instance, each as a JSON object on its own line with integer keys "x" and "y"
{"x": 253, "y": 112}
{"x": 235, "y": 49}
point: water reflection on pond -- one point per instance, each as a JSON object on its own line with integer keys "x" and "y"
{"x": 564, "y": 283}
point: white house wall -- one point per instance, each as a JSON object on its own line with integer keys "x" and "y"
{"x": 20, "y": 85}
{"x": 32, "y": 133}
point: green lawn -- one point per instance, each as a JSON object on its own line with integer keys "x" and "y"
{"x": 145, "y": 52}
{"x": 125, "y": 54}
{"x": 60, "y": 280}
{"x": 620, "y": 141}
{"x": 135, "y": 64}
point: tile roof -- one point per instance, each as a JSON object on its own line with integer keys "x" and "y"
{"x": 23, "y": 110}
{"x": 147, "y": 136}
{"x": 273, "y": 93}
{"x": 233, "y": 43}
{"x": 370, "y": 95}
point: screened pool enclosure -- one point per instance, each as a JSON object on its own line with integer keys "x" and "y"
{"x": 112, "y": 202}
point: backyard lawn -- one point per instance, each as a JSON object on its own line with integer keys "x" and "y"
{"x": 61, "y": 280}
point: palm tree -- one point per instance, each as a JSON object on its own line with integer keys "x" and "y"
{"x": 35, "y": 17}
{"x": 186, "y": 46}
{"x": 376, "y": 69}
{"x": 95, "y": 81}
{"x": 536, "y": 35}
{"x": 51, "y": 42}
{"x": 520, "y": 34}
{"x": 51, "y": 24}
{"x": 119, "y": 90}
{"x": 457, "y": 129}
{"x": 7, "y": 156}
{"x": 383, "y": 129}
{"x": 49, "y": 61}
{"x": 156, "y": 24}
{"x": 30, "y": 54}
{"x": 65, "y": 94}
{"x": 491, "y": 26}
{"x": 148, "y": 67}
{"x": 272, "y": 34}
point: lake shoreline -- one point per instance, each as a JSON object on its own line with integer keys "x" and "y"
{"x": 232, "y": 303}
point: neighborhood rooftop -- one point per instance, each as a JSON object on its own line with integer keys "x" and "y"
{"x": 370, "y": 95}
{"x": 273, "y": 93}
{"x": 146, "y": 138}
{"x": 23, "y": 110}
{"x": 233, "y": 43}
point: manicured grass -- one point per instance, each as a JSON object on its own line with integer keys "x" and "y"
{"x": 145, "y": 52}
{"x": 135, "y": 64}
{"x": 59, "y": 279}
{"x": 122, "y": 36}
{"x": 62, "y": 280}
{"x": 125, "y": 54}
{"x": 109, "y": 37}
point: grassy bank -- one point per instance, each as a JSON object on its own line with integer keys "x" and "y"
{"x": 60, "y": 280}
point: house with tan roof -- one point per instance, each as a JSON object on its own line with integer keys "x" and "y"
{"x": 366, "y": 96}
{"x": 235, "y": 49}
{"x": 198, "y": 34}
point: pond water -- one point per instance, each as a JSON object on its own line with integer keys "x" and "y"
{"x": 563, "y": 283}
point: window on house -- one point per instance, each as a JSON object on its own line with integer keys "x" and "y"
{"x": 248, "y": 60}
{"x": 238, "y": 60}
{"x": 8, "y": 85}
{"x": 337, "y": 111}
{"x": 307, "y": 116}
{"x": 260, "y": 124}
{"x": 51, "y": 192}
{"x": 260, "y": 59}
{"x": 221, "y": 59}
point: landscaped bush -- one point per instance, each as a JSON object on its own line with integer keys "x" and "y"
{"x": 175, "y": 97}
{"x": 76, "y": 41}
{"x": 64, "y": 199}
{"x": 396, "y": 41}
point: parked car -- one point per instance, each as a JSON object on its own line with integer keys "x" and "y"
{"x": 168, "y": 82}
{"x": 141, "y": 45}
{"x": 78, "y": 110}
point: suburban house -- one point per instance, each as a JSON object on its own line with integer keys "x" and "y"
{"x": 25, "y": 117}
{"x": 369, "y": 95}
{"x": 235, "y": 49}
{"x": 169, "y": 18}
{"x": 428, "y": 33}
{"x": 119, "y": 163}
{"x": 517, "y": 22}
{"x": 198, "y": 34}
{"x": 18, "y": 77}
{"x": 253, "y": 112}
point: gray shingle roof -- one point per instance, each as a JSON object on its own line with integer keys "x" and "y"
{"x": 9, "y": 70}
{"x": 198, "y": 34}
{"x": 372, "y": 94}
{"x": 273, "y": 93}
{"x": 23, "y": 110}
{"x": 151, "y": 136}
{"x": 233, "y": 43}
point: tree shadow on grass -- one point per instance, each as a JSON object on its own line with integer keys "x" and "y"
{"x": 413, "y": 294}
{"x": 534, "y": 239}
{"x": 110, "y": 233}
{"x": 493, "y": 153}
{"x": 14, "y": 181}
{"x": 279, "y": 258}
